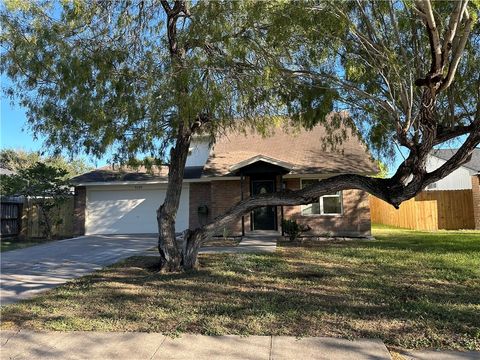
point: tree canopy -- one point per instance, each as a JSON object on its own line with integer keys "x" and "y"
{"x": 96, "y": 76}
{"x": 100, "y": 75}
{"x": 143, "y": 77}
{"x": 16, "y": 160}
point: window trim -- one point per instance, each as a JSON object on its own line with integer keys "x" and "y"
{"x": 320, "y": 201}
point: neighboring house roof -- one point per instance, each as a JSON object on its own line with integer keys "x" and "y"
{"x": 301, "y": 150}
{"x": 4, "y": 171}
{"x": 120, "y": 174}
{"x": 445, "y": 154}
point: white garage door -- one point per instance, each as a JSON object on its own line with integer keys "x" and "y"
{"x": 129, "y": 210}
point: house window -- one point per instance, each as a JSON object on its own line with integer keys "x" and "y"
{"x": 330, "y": 204}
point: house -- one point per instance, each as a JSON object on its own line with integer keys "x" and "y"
{"x": 459, "y": 179}
{"x": 466, "y": 177}
{"x": 119, "y": 200}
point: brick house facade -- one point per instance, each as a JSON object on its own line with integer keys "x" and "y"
{"x": 238, "y": 165}
{"x": 219, "y": 196}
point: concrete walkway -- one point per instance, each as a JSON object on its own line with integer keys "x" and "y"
{"x": 133, "y": 346}
{"x": 26, "y": 272}
{"x": 253, "y": 242}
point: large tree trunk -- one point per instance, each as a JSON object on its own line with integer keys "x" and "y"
{"x": 172, "y": 251}
{"x": 177, "y": 253}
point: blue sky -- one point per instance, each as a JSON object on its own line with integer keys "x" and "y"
{"x": 13, "y": 121}
{"x": 14, "y": 131}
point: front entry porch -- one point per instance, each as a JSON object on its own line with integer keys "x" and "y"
{"x": 263, "y": 175}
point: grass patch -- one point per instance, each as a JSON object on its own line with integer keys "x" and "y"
{"x": 410, "y": 289}
{"x": 15, "y": 243}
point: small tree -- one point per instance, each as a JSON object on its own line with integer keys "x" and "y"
{"x": 45, "y": 185}
{"x": 15, "y": 160}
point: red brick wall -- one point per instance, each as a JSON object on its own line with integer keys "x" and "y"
{"x": 79, "y": 204}
{"x": 225, "y": 194}
{"x": 199, "y": 196}
{"x": 476, "y": 200}
{"x": 355, "y": 220}
{"x": 220, "y": 195}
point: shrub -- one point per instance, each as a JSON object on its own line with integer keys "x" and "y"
{"x": 293, "y": 229}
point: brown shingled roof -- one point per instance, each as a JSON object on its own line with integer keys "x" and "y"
{"x": 299, "y": 147}
{"x": 120, "y": 174}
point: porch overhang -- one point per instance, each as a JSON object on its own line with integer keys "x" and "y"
{"x": 261, "y": 165}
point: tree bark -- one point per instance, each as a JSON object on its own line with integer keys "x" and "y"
{"x": 177, "y": 252}
{"x": 171, "y": 251}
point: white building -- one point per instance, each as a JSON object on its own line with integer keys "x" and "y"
{"x": 458, "y": 179}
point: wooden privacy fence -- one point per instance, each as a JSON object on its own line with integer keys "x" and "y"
{"x": 32, "y": 218}
{"x": 11, "y": 209}
{"x": 429, "y": 210}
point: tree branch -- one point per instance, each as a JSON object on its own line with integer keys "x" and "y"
{"x": 462, "y": 156}
{"x": 433, "y": 36}
{"x": 455, "y": 19}
{"x": 304, "y": 196}
{"x": 458, "y": 52}
{"x": 445, "y": 134}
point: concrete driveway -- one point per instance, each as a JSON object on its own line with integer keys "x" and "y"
{"x": 26, "y": 272}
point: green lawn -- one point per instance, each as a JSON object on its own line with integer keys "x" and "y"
{"x": 14, "y": 243}
{"x": 411, "y": 289}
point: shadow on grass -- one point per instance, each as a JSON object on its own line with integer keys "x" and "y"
{"x": 350, "y": 289}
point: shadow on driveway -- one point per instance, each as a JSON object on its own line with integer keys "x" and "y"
{"x": 26, "y": 272}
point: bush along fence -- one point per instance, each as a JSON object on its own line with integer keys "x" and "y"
{"x": 27, "y": 220}
{"x": 429, "y": 210}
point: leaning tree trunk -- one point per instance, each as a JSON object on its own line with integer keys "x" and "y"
{"x": 178, "y": 253}
{"x": 172, "y": 251}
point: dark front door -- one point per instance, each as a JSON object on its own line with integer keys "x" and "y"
{"x": 264, "y": 217}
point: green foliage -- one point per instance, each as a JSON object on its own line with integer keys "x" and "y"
{"x": 38, "y": 180}
{"x": 100, "y": 78}
{"x": 382, "y": 169}
{"x": 16, "y": 160}
{"x": 292, "y": 228}
{"x": 45, "y": 185}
